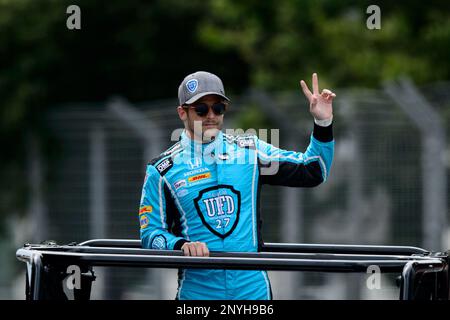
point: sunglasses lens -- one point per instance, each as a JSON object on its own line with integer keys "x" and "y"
{"x": 201, "y": 109}
{"x": 219, "y": 108}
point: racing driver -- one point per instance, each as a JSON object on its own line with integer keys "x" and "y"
{"x": 202, "y": 194}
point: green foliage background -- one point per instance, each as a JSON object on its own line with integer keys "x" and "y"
{"x": 142, "y": 50}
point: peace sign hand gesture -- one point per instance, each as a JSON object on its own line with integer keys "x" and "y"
{"x": 320, "y": 105}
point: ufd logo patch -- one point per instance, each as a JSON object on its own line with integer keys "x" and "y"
{"x": 219, "y": 209}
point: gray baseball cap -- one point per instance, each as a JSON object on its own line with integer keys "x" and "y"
{"x": 200, "y": 84}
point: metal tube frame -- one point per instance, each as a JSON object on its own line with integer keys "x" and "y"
{"x": 411, "y": 262}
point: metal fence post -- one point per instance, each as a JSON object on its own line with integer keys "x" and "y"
{"x": 150, "y": 134}
{"x": 37, "y": 208}
{"x": 433, "y": 145}
{"x": 98, "y": 183}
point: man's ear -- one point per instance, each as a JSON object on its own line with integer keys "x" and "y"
{"x": 182, "y": 113}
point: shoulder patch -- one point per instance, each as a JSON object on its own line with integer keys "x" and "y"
{"x": 172, "y": 149}
{"x": 164, "y": 166}
{"x": 246, "y": 142}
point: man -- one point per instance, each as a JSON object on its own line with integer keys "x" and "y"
{"x": 202, "y": 194}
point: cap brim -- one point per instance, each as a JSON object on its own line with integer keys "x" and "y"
{"x": 201, "y": 95}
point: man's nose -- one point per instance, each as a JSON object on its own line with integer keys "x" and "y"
{"x": 211, "y": 114}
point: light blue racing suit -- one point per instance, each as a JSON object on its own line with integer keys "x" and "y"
{"x": 210, "y": 193}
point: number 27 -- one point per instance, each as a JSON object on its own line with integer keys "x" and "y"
{"x": 219, "y": 223}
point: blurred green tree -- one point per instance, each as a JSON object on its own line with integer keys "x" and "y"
{"x": 142, "y": 49}
{"x": 283, "y": 41}
{"x": 138, "y": 49}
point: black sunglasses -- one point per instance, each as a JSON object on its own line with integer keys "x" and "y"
{"x": 202, "y": 109}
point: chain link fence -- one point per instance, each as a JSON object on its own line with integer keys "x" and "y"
{"x": 379, "y": 190}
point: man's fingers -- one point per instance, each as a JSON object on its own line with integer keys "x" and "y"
{"x": 192, "y": 251}
{"x": 202, "y": 249}
{"x": 189, "y": 249}
{"x": 328, "y": 94}
{"x": 199, "y": 249}
{"x": 315, "y": 82}
{"x": 305, "y": 89}
{"x": 313, "y": 103}
{"x": 331, "y": 97}
{"x": 195, "y": 249}
{"x": 185, "y": 248}
{"x": 205, "y": 250}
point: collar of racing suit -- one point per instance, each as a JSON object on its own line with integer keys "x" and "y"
{"x": 194, "y": 147}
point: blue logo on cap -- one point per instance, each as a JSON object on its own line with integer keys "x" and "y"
{"x": 192, "y": 85}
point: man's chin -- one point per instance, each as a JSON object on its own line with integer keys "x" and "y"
{"x": 210, "y": 132}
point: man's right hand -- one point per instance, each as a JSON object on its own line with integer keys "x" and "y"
{"x": 195, "y": 249}
{"x": 320, "y": 104}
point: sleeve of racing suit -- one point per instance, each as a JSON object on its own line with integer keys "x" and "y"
{"x": 297, "y": 169}
{"x": 153, "y": 214}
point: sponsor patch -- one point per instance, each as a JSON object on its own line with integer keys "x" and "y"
{"x": 194, "y": 162}
{"x": 180, "y": 183}
{"x": 159, "y": 242}
{"x": 246, "y": 143}
{"x": 192, "y": 85}
{"x": 145, "y": 209}
{"x": 195, "y": 171}
{"x": 172, "y": 150}
{"x": 143, "y": 221}
{"x": 182, "y": 193}
{"x": 199, "y": 177}
{"x": 164, "y": 165}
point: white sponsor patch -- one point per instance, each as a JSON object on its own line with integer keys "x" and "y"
{"x": 175, "y": 148}
{"x": 246, "y": 143}
{"x": 163, "y": 165}
{"x": 192, "y": 172}
{"x": 182, "y": 193}
{"x": 159, "y": 242}
{"x": 180, "y": 183}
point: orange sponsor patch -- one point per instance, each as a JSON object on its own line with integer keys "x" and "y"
{"x": 199, "y": 177}
{"x": 145, "y": 209}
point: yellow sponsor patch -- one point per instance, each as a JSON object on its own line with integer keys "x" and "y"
{"x": 145, "y": 209}
{"x": 143, "y": 221}
{"x": 199, "y": 177}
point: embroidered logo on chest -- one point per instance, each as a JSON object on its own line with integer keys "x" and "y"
{"x": 219, "y": 209}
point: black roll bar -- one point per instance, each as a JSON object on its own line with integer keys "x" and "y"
{"x": 423, "y": 274}
{"x": 286, "y": 247}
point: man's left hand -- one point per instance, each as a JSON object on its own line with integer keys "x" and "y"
{"x": 320, "y": 104}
